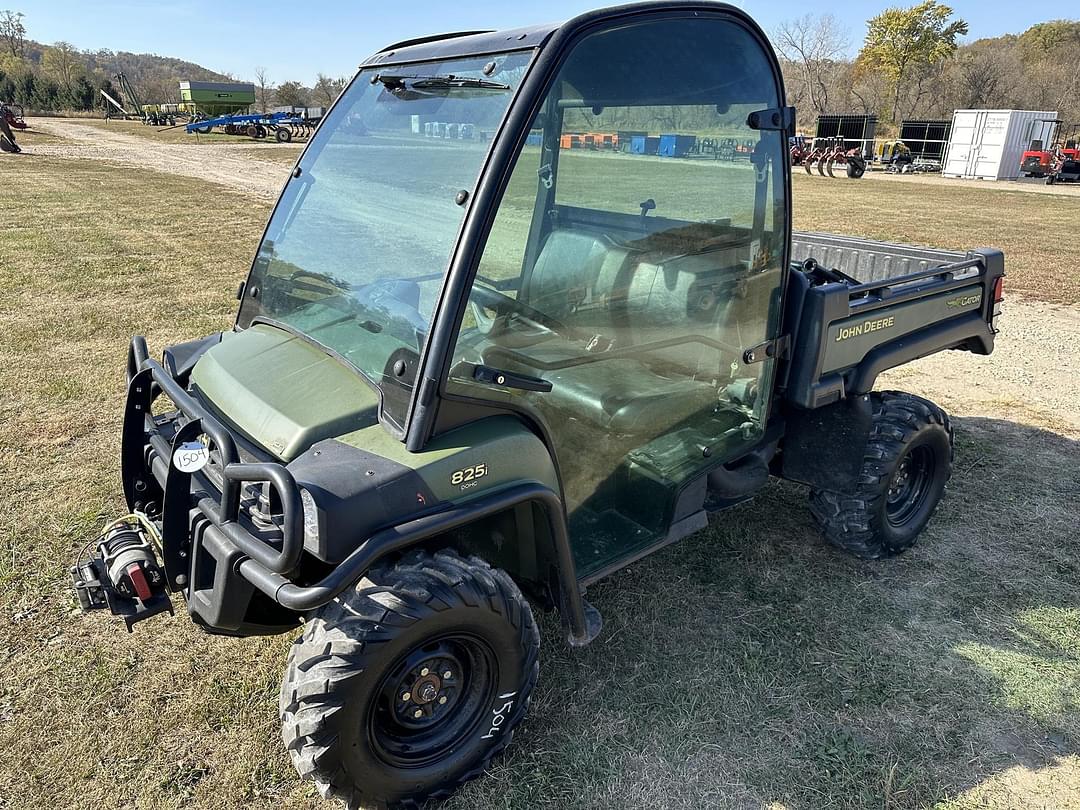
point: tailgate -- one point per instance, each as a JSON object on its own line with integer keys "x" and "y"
{"x": 871, "y": 306}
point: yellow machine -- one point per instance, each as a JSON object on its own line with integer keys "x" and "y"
{"x": 894, "y": 154}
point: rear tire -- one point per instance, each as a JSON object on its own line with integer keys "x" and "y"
{"x": 907, "y": 461}
{"x": 366, "y": 709}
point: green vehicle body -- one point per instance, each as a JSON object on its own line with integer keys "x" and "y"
{"x": 503, "y": 461}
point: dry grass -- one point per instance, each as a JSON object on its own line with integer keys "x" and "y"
{"x": 747, "y": 666}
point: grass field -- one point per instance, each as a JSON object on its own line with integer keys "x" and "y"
{"x": 748, "y": 666}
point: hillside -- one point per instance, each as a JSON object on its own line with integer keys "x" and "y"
{"x": 155, "y": 77}
{"x": 60, "y": 76}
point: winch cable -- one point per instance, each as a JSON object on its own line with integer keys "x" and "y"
{"x": 137, "y": 518}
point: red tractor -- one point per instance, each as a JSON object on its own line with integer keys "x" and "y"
{"x": 1051, "y": 144}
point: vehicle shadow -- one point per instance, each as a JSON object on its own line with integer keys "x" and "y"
{"x": 752, "y": 665}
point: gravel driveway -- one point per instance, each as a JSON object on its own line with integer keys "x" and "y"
{"x": 233, "y": 164}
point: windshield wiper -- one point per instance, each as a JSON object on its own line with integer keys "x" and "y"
{"x": 409, "y": 87}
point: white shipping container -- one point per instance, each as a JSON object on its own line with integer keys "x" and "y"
{"x": 988, "y": 144}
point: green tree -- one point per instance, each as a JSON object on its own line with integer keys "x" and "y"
{"x": 103, "y": 83}
{"x": 901, "y": 41}
{"x": 47, "y": 95}
{"x": 327, "y": 89}
{"x": 1044, "y": 39}
{"x": 7, "y": 88}
{"x": 291, "y": 94}
{"x": 24, "y": 88}
{"x": 81, "y": 93}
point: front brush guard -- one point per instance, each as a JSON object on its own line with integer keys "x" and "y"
{"x": 170, "y": 495}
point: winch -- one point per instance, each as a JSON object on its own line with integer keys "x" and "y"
{"x": 123, "y": 572}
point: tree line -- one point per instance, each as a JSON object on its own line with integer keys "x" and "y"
{"x": 911, "y": 65}
{"x": 60, "y": 77}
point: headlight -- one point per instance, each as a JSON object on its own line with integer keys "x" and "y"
{"x": 311, "y": 519}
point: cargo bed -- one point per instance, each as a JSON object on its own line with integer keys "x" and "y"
{"x": 865, "y": 260}
{"x": 857, "y": 307}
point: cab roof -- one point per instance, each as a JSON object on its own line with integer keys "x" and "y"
{"x": 730, "y": 81}
{"x": 476, "y": 43}
{"x": 462, "y": 43}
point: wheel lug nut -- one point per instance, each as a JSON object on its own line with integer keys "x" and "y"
{"x": 447, "y": 675}
{"x": 424, "y": 672}
{"x": 442, "y": 700}
{"x": 406, "y": 696}
{"x": 418, "y": 714}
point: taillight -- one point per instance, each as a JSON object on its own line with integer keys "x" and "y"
{"x": 999, "y": 289}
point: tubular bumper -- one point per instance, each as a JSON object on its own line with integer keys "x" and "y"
{"x": 201, "y": 511}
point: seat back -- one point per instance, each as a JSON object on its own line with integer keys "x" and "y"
{"x": 576, "y": 278}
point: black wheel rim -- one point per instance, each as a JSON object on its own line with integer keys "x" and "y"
{"x": 432, "y": 699}
{"x": 910, "y": 485}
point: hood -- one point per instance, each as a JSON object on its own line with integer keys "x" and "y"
{"x": 282, "y": 392}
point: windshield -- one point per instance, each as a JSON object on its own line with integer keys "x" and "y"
{"x": 356, "y": 250}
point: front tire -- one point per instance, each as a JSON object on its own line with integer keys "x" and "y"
{"x": 907, "y": 461}
{"x": 406, "y": 686}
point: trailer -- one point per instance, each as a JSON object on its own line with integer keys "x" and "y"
{"x": 212, "y": 99}
{"x": 282, "y": 126}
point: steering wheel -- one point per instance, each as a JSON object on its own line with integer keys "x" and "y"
{"x": 492, "y": 310}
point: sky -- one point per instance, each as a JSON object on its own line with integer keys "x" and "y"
{"x": 296, "y": 40}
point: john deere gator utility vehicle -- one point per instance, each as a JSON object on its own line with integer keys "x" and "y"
{"x": 473, "y": 372}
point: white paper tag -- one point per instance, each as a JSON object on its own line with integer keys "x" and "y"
{"x": 191, "y": 457}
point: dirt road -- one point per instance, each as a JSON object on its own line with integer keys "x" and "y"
{"x": 1033, "y": 376}
{"x": 233, "y": 165}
